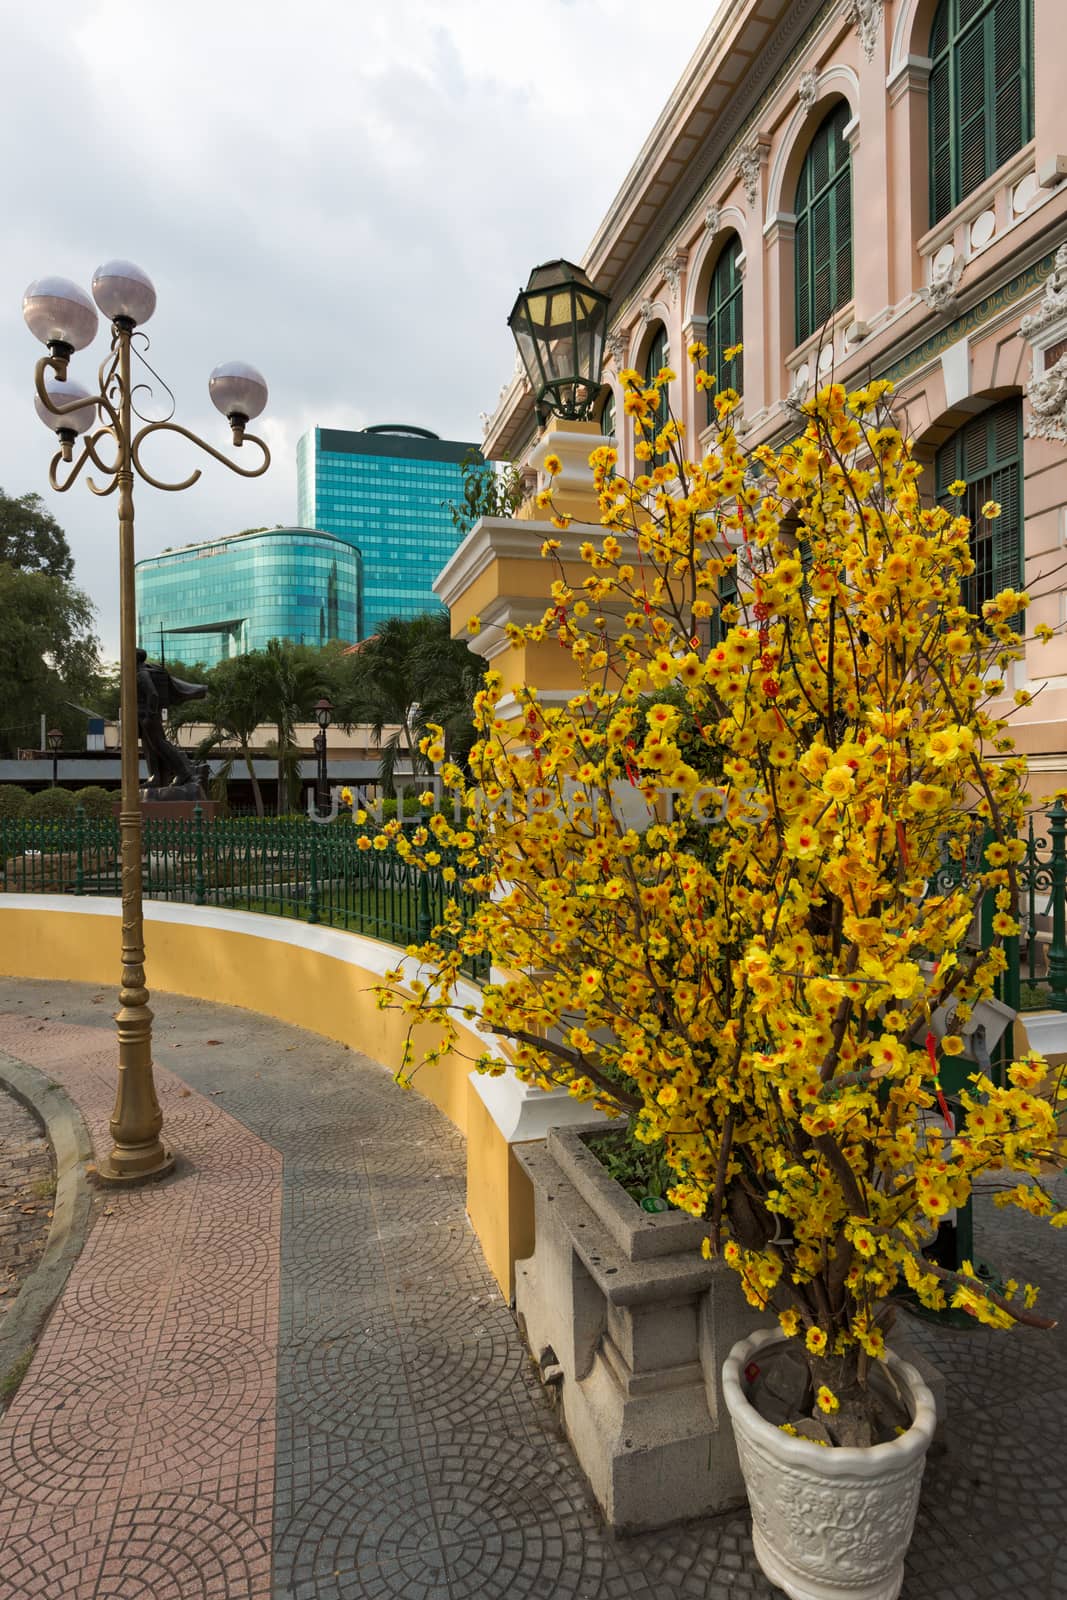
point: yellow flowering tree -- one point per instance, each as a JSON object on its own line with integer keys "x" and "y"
{"x": 748, "y": 968}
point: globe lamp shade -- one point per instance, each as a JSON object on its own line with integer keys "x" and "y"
{"x": 123, "y": 292}
{"x": 323, "y": 713}
{"x": 63, "y": 392}
{"x": 238, "y": 390}
{"x": 559, "y": 323}
{"x": 57, "y": 312}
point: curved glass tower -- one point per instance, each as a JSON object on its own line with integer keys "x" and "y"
{"x": 204, "y": 602}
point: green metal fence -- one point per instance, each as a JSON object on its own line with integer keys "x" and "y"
{"x": 1041, "y": 959}
{"x": 319, "y": 874}
{"x": 296, "y": 868}
{"x": 1036, "y": 975}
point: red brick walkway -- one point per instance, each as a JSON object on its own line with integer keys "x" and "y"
{"x": 173, "y": 1306}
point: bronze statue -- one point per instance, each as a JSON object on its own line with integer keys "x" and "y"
{"x": 171, "y": 774}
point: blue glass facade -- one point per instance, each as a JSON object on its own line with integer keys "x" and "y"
{"x": 227, "y": 596}
{"x": 386, "y": 490}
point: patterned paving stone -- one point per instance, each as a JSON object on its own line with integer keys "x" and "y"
{"x": 411, "y": 1451}
{"x": 137, "y": 1459}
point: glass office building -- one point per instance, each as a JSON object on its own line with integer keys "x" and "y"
{"x": 385, "y": 489}
{"x": 204, "y": 602}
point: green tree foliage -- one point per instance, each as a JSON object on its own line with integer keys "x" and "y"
{"x": 31, "y": 538}
{"x": 490, "y": 489}
{"x": 48, "y": 656}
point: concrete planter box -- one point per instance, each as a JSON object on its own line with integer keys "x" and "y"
{"x": 623, "y": 1313}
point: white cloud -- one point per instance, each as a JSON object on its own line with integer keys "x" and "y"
{"x": 346, "y": 194}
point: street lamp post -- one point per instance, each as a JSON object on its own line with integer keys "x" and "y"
{"x": 55, "y": 740}
{"x": 63, "y": 317}
{"x": 323, "y": 713}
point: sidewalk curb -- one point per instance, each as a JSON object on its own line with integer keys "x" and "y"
{"x": 69, "y": 1136}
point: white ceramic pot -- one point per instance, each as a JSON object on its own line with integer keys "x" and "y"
{"x": 829, "y": 1524}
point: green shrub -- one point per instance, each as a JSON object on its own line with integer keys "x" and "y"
{"x": 95, "y": 800}
{"x": 13, "y": 800}
{"x": 51, "y": 805}
{"x": 411, "y": 808}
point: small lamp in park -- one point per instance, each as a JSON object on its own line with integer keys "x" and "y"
{"x": 55, "y": 741}
{"x": 112, "y": 434}
{"x": 323, "y": 716}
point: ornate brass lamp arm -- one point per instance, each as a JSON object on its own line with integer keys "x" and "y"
{"x": 88, "y": 453}
{"x": 176, "y": 427}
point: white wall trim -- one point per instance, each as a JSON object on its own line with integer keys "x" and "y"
{"x": 731, "y": 220}
{"x": 839, "y": 77}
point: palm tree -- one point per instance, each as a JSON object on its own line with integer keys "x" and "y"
{"x": 410, "y": 673}
{"x": 294, "y": 679}
{"x": 238, "y": 701}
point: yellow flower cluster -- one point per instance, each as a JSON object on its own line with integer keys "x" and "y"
{"x": 716, "y": 874}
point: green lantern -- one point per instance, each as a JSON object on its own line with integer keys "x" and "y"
{"x": 559, "y": 322}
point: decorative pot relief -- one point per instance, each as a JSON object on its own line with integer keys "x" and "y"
{"x": 829, "y": 1523}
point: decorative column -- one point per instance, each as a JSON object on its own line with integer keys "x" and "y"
{"x": 907, "y": 130}
{"x": 779, "y": 290}
{"x": 871, "y": 181}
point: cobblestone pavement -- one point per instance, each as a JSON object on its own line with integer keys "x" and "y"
{"x": 413, "y": 1453}
{"x": 26, "y": 1190}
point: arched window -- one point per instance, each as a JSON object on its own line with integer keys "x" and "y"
{"x": 987, "y": 455}
{"x": 607, "y": 415}
{"x": 658, "y": 358}
{"x": 824, "y": 225}
{"x": 981, "y": 94}
{"x": 724, "y": 322}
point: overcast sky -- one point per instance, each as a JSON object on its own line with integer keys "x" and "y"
{"x": 347, "y": 194}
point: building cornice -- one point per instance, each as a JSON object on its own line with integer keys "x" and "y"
{"x": 715, "y": 133}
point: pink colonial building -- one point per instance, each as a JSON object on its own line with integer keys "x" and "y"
{"x": 869, "y": 188}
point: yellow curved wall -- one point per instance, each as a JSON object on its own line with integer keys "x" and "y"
{"x": 270, "y": 971}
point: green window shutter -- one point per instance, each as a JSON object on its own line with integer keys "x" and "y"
{"x": 802, "y": 255}
{"x": 940, "y": 142}
{"x": 725, "y": 295}
{"x": 842, "y": 262}
{"x": 1010, "y": 50}
{"x": 987, "y": 453}
{"x": 981, "y": 94}
{"x": 823, "y": 244}
{"x": 658, "y": 357}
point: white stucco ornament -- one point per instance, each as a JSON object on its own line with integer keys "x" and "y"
{"x": 671, "y": 268}
{"x": 808, "y": 89}
{"x": 1046, "y": 330}
{"x": 867, "y": 16}
{"x": 1047, "y": 394}
{"x": 1054, "y": 301}
{"x": 827, "y": 1522}
{"x": 617, "y": 346}
{"x": 747, "y": 163}
{"x": 646, "y": 308}
{"x": 713, "y": 219}
{"x": 944, "y": 286}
